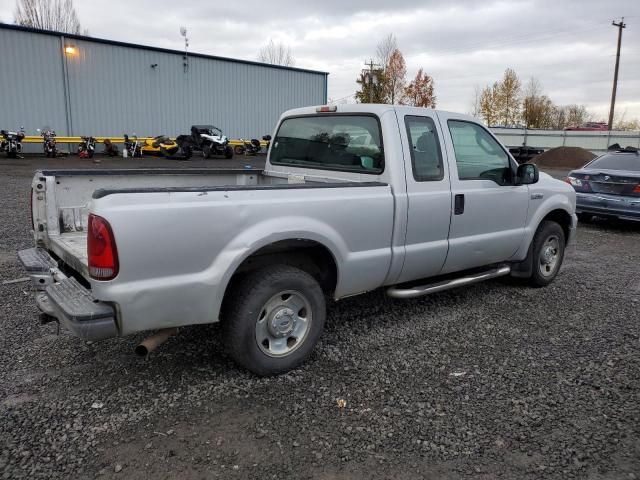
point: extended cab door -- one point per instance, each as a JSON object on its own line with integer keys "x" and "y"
{"x": 429, "y": 195}
{"x": 489, "y": 211}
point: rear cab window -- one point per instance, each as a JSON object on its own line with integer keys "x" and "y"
{"x": 330, "y": 142}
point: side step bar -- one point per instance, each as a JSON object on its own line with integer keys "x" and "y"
{"x": 419, "y": 291}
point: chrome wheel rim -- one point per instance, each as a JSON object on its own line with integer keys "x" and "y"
{"x": 549, "y": 257}
{"x": 283, "y": 323}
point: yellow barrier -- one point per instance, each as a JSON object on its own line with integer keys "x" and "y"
{"x": 142, "y": 140}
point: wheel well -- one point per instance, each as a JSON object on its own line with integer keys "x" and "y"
{"x": 307, "y": 255}
{"x": 562, "y": 218}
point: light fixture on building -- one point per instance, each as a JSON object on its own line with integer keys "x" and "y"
{"x": 70, "y": 50}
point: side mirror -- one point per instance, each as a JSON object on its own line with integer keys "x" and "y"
{"x": 527, "y": 174}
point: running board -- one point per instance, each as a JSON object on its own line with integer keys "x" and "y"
{"x": 419, "y": 291}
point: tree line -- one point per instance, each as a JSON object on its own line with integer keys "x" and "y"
{"x": 387, "y": 82}
{"x": 507, "y": 103}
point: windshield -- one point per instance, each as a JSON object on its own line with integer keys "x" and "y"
{"x": 617, "y": 161}
{"x": 330, "y": 142}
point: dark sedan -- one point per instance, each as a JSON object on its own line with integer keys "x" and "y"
{"x": 609, "y": 186}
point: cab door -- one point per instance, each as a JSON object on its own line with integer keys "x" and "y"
{"x": 429, "y": 195}
{"x": 489, "y": 211}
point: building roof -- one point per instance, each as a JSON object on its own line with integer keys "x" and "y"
{"x": 8, "y": 26}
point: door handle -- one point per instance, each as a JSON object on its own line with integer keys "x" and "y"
{"x": 458, "y": 204}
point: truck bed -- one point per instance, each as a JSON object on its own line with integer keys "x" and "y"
{"x": 68, "y": 194}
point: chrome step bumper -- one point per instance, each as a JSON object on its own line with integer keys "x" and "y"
{"x": 66, "y": 299}
{"x": 413, "y": 292}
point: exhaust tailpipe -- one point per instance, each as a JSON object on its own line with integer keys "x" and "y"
{"x": 152, "y": 342}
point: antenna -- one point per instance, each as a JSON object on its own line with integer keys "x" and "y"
{"x": 185, "y": 59}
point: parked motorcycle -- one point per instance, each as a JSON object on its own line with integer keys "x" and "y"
{"x": 11, "y": 142}
{"x": 87, "y": 147}
{"x": 205, "y": 138}
{"x": 132, "y": 146}
{"x": 160, "y": 145}
{"x": 110, "y": 149}
{"x": 252, "y": 147}
{"x": 48, "y": 141}
{"x": 248, "y": 147}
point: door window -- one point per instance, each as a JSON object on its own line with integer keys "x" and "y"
{"x": 426, "y": 157}
{"x": 478, "y": 155}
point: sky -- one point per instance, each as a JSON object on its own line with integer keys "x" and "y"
{"x": 569, "y": 46}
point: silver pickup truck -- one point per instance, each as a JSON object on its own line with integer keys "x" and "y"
{"x": 352, "y": 198}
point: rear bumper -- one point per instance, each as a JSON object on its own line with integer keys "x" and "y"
{"x": 66, "y": 299}
{"x": 625, "y": 208}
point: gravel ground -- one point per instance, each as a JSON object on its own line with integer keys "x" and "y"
{"x": 484, "y": 382}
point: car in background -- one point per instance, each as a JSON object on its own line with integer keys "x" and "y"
{"x": 608, "y": 186}
{"x": 589, "y": 127}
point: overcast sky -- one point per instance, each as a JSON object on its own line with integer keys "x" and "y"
{"x": 568, "y": 45}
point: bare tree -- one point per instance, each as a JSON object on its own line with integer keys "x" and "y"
{"x": 475, "y": 102}
{"x": 276, "y": 54}
{"x": 57, "y": 15}
{"x": 385, "y": 49}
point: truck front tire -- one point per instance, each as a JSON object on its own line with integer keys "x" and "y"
{"x": 547, "y": 253}
{"x": 273, "y": 318}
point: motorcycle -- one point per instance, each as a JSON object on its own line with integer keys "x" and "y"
{"x": 252, "y": 147}
{"x": 11, "y": 142}
{"x": 132, "y": 148}
{"x": 110, "y": 149}
{"x": 160, "y": 145}
{"x": 49, "y": 141}
{"x": 207, "y": 139}
{"x": 87, "y": 147}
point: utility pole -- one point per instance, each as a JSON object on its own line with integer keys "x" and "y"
{"x": 620, "y": 26}
{"x": 371, "y": 78}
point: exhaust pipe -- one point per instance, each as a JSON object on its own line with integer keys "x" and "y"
{"x": 152, "y": 342}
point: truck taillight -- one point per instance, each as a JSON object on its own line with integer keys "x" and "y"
{"x": 637, "y": 189}
{"x": 101, "y": 249}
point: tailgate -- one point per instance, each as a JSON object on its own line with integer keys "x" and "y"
{"x": 71, "y": 248}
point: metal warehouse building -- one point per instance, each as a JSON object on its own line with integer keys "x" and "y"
{"x": 88, "y": 86}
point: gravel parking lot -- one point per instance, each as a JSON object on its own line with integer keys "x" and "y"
{"x": 488, "y": 381}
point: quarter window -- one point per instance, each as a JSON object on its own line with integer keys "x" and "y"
{"x": 426, "y": 157}
{"x": 478, "y": 155}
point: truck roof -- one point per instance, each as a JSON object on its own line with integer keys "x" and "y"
{"x": 376, "y": 108}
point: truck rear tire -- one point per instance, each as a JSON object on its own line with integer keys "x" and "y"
{"x": 273, "y": 319}
{"x": 547, "y": 251}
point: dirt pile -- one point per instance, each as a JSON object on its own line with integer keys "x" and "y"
{"x": 563, "y": 157}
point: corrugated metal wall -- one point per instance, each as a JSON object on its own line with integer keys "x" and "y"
{"x": 112, "y": 89}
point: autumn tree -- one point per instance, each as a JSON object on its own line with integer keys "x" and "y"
{"x": 276, "y": 54}
{"x": 419, "y": 93}
{"x": 395, "y": 77}
{"x": 509, "y": 98}
{"x": 56, "y": 15}
{"x": 490, "y": 104}
{"x": 372, "y": 87}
